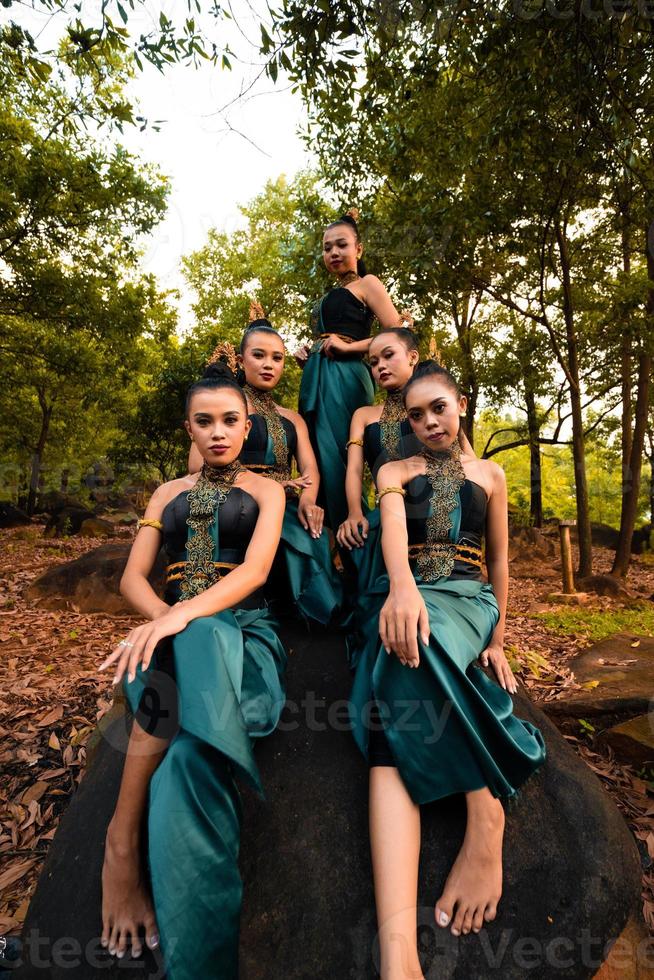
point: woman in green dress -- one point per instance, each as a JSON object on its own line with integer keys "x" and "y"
{"x": 335, "y": 380}
{"x": 203, "y": 677}
{"x": 303, "y": 572}
{"x": 429, "y": 720}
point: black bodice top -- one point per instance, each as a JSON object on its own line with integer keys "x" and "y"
{"x": 255, "y": 451}
{"x": 473, "y": 504}
{"x": 237, "y": 518}
{"x": 376, "y": 454}
{"x": 340, "y": 311}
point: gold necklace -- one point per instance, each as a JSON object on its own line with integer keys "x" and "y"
{"x": 445, "y": 475}
{"x": 263, "y": 404}
{"x": 348, "y": 277}
{"x": 392, "y": 416}
{"x": 210, "y": 491}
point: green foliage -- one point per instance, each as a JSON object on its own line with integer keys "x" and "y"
{"x": 597, "y": 624}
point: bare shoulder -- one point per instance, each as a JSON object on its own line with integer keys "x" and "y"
{"x": 168, "y": 491}
{"x": 491, "y": 476}
{"x": 290, "y": 414}
{"x": 367, "y": 414}
{"x": 399, "y": 472}
{"x": 264, "y": 490}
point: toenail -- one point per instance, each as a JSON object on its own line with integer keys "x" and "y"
{"x": 112, "y": 950}
{"x": 104, "y": 942}
{"x": 443, "y": 918}
{"x": 455, "y": 932}
{"x": 120, "y": 954}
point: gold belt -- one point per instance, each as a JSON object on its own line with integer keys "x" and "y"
{"x": 467, "y": 553}
{"x": 341, "y": 336}
{"x": 173, "y": 576}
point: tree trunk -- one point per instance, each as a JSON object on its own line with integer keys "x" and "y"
{"x": 37, "y": 456}
{"x": 536, "y": 482}
{"x": 578, "y": 447}
{"x": 631, "y": 483}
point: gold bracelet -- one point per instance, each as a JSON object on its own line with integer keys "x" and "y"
{"x": 401, "y": 490}
{"x": 148, "y": 522}
{"x": 354, "y": 442}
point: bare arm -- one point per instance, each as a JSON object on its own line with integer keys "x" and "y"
{"x": 497, "y": 563}
{"x": 310, "y": 515}
{"x": 376, "y": 297}
{"x": 134, "y": 584}
{"x": 404, "y": 615}
{"x": 348, "y": 534}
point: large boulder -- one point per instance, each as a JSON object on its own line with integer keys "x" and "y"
{"x": 529, "y": 544}
{"x": 90, "y": 583}
{"x": 572, "y": 874}
{"x": 11, "y": 516}
{"x": 67, "y": 521}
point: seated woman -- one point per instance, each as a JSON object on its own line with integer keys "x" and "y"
{"x": 277, "y": 437}
{"x": 204, "y": 678}
{"x": 429, "y": 720}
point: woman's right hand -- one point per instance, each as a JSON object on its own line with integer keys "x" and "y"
{"x": 301, "y": 355}
{"x": 348, "y": 535}
{"x": 402, "y": 619}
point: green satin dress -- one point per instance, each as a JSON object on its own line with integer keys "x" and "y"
{"x": 303, "y": 570}
{"x": 446, "y": 725}
{"x": 331, "y": 390}
{"x": 213, "y": 689}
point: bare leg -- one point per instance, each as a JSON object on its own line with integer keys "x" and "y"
{"x": 395, "y": 845}
{"x": 474, "y": 885}
{"x": 126, "y": 903}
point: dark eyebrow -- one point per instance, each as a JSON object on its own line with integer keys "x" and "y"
{"x": 200, "y": 415}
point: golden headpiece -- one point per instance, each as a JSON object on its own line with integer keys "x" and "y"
{"x": 435, "y": 353}
{"x": 406, "y": 319}
{"x": 225, "y": 352}
{"x": 256, "y": 311}
{"x": 353, "y": 213}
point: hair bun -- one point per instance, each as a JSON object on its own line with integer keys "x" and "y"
{"x": 352, "y": 213}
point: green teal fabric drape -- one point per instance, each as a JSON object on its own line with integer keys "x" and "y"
{"x": 450, "y": 727}
{"x": 313, "y": 582}
{"x": 228, "y": 671}
{"x": 331, "y": 390}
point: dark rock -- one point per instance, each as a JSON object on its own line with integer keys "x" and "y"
{"x": 529, "y": 543}
{"x": 90, "y": 583}
{"x": 643, "y": 539}
{"x": 624, "y": 674}
{"x": 96, "y": 527}
{"x": 11, "y": 516}
{"x": 603, "y": 585}
{"x": 572, "y": 874}
{"x": 632, "y": 741}
{"x": 67, "y": 521}
{"x": 54, "y": 501}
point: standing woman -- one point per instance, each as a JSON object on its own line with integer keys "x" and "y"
{"x": 204, "y": 678}
{"x": 335, "y": 380}
{"x": 303, "y": 570}
{"x": 432, "y": 620}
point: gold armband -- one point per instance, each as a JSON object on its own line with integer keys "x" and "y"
{"x": 401, "y": 490}
{"x": 354, "y": 442}
{"x": 148, "y": 522}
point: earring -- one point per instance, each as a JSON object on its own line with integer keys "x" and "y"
{"x": 463, "y": 415}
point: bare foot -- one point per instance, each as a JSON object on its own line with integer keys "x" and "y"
{"x": 126, "y": 904}
{"x": 474, "y": 884}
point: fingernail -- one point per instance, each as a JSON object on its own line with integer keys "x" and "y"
{"x": 154, "y": 941}
{"x": 112, "y": 950}
{"x": 104, "y": 943}
{"x": 130, "y": 677}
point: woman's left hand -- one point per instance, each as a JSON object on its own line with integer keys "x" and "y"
{"x": 494, "y": 654}
{"x": 310, "y": 516}
{"x": 334, "y": 345}
{"x": 299, "y": 483}
{"x": 139, "y": 645}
